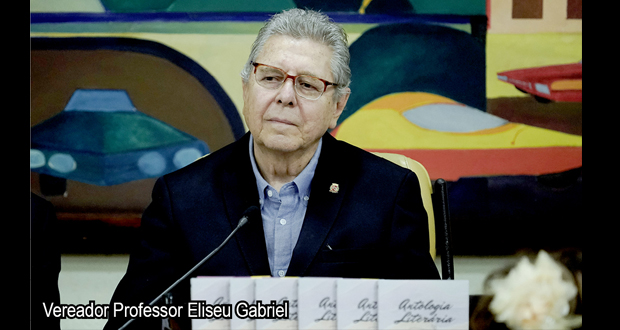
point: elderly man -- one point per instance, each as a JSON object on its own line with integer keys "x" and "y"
{"x": 328, "y": 208}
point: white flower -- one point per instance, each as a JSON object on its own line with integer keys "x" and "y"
{"x": 534, "y": 296}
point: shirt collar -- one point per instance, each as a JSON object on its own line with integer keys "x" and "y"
{"x": 303, "y": 180}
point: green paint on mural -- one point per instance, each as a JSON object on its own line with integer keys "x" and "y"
{"x": 447, "y": 7}
{"x": 231, "y": 6}
{"x": 434, "y": 7}
{"x": 136, "y": 6}
{"x": 150, "y": 27}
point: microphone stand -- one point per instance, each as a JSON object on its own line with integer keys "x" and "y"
{"x": 242, "y": 222}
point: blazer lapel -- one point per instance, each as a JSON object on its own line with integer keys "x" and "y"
{"x": 240, "y": 193}
{"x": 323, "y": 207}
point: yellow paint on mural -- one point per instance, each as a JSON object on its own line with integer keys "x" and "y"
{"x": 66, "y": 6}
{"x": 381, "y": 125}
{"x": 565, "y": 85}
{"x": 518, "y": 51}
{"x": 406, "y": 101}
{"x": 365, "y": 4}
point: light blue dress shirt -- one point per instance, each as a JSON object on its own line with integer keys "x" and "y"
{"x": 283, "y": 212}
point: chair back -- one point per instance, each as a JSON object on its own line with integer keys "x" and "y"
{"x": 426, "y": 189}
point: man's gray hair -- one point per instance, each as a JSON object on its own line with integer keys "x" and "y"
{"x": 307, "y": 24}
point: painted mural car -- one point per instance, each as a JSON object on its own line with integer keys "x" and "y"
{"x": 454, "y": 140}
{"x": 561, "y": 83}
{"x": 100, "y": 138}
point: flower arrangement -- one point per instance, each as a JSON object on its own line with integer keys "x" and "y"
{"x": 535, "y": 296}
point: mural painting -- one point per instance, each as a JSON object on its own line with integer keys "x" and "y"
{"x": 426, "y": 83}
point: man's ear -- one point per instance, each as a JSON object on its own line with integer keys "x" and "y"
{"x": 340, "y": 105}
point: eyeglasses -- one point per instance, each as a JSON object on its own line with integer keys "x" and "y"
{"x": 308, "y": 87}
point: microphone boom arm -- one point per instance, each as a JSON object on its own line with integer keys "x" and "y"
{"x": 242, "y": 222}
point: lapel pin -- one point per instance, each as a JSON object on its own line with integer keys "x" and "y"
{"x": 334, "y": 188}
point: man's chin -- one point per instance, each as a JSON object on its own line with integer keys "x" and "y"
{"x": 282, "y": 143}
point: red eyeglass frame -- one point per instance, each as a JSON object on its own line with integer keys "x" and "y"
{"x": 327, "y": 83}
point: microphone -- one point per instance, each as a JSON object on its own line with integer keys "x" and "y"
{"x": 250, "y": 212}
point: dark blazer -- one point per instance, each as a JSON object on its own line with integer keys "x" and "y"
{"x": 375, "y": 225}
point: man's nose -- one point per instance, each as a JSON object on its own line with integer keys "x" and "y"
{"x": 287, "y": 94}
